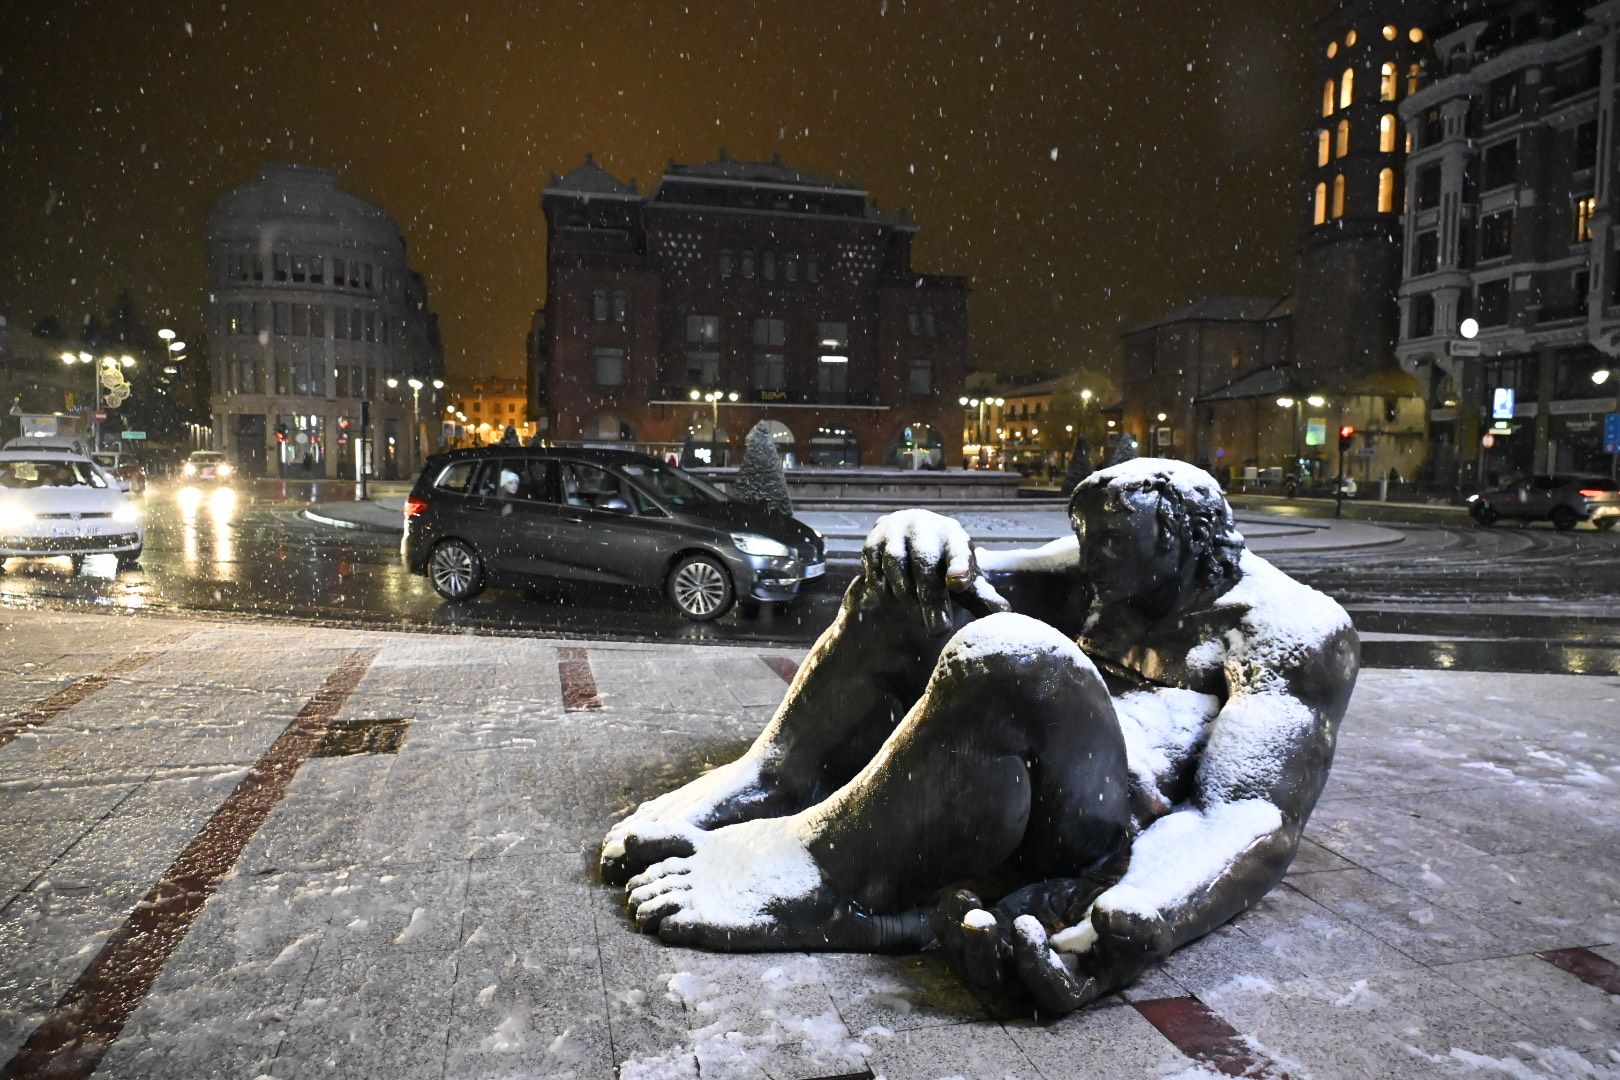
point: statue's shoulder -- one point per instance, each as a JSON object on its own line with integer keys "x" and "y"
{"x": 1277, "y": 615}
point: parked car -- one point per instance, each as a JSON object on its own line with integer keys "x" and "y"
{"x": 53, "y": 502}
{"x": 505, "y": 515}
{"x": 1324, "y": 487}
{"x": 206, "y": 467}
{"x": 124, "y": 468}
{"x": 1565, "y": 499}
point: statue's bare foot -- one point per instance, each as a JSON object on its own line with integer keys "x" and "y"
{"x": 754, "y": 886}
{"x": 670, "y": 824}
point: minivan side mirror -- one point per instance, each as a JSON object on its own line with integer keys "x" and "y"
{"x": 614, "y": 504}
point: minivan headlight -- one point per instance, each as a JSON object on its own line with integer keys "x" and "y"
{"x": 754, "y": 544}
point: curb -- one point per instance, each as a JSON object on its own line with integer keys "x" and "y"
{"x": 339, "y": 523}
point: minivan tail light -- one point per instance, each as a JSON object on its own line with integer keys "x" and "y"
{"x": 414, "y": 506}
{"x": 1592, "y": 493}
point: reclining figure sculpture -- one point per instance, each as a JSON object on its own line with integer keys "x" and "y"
{"x": 1121, "y": 734}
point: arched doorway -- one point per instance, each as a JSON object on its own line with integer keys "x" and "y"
{"x": 917, "y": 446}
{"x": 835, "y": 446}
{"x": 786, "y": 445}
{"x": 711, "y": 445}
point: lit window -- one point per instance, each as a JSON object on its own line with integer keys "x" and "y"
{"x": 1343, "y": 147}
{"x": 1338, "y": 196}
{"x": 1346, "y": 87}
{"x": 1413, "y": 73}
{"x": 1415, "y": 34}
{"x": 1333, "y": 49}
{"x": 1321, "y": 204}
{"x": 1350, "y": 39}
{"x": 1388, "y": 82}
{"x": 1323, "y": 147}
{"x": 1327, "y": 98}
{"x": 621, "y": 306}
{"x": 1386, "y": 191}
{"x": 1584, "y": 209}
{"x": 1386, "y": 133}
{"x": 1390, "y": 33}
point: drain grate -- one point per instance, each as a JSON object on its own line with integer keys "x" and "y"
{"x": 381, "y": 736}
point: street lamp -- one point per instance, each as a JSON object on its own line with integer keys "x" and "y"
{"x": 106, "y": 371}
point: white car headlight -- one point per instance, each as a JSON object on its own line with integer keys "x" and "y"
{"x": 128, "y": 513}
{"x": 754, "y": 544}
{"x": 225, "y": 468}
{"x": 188, "y": 469}
{"x": 12, "y": 516}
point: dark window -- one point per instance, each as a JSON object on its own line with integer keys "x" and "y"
{"x": 1425, "y": 252}
{"x": 767, "y": 266}
{"x": 599, "y": 305}
{"x": 371, "y": 325}
{"x": 703, "y": 329}
{"x": 621, "y": 306}
{"x": 300, "y": 320}
{"x": 725, "y": 263}
{"x": 1420, "y": 316}
{"x": 279, "y": 262}
{"x": 300, "y": 270}
{"x": 1573, "y": 370}
{"x": 1427, "y": 194}
{"x": 368, "y": 275}
{"x": 354, "y": 324}
{"x": 812, "y": 271}
{"x": 609, "y": 365}
{"x": 1585, "y": 145}
{"x": 337, "y": 271}
{"x": 748, "y": 264}
{"x": 280, "y": 313}
{"x": 1579, "y": 75}
{"x": 1501, "y": 164}
{"x": 1502, "y": 98}
{"x": 1491, "y": 303}
{"x": 703, "y": 368}
{"x": 770, "y": 371}
{"x": 317, "y": 269}
{"x": 920, "y": 375}
{"x": 1434, "y": 128}
{"x": 1496, "y": 235}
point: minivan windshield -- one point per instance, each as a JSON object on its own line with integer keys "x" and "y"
{"x": 677, "y": 488}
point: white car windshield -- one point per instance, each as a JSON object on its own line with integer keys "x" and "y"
{"x": 26, "y": 474}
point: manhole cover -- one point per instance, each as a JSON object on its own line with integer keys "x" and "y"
{"x": 384, "y": 736}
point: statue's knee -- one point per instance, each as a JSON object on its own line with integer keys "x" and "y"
{"x": 1015, "y": 648}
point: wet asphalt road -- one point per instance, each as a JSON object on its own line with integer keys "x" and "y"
{"x": 1507, "y": 599}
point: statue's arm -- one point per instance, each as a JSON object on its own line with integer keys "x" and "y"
{"x": 1261, "y": 773}
{"x": 1043, "y": 583}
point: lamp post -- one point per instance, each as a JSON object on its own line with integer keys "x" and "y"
{"x": 108, "y": 371}
{"x": 714, "y": 398}
{"x": 980, "y": 432}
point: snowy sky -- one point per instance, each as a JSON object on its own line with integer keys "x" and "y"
{"x": 1088, "y": 166}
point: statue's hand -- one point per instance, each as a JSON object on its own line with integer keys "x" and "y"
{"x": 923, "y": 557}
{"x": 1061, "y": 969}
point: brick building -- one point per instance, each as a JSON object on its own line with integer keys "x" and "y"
{"x": 741, "y": 291}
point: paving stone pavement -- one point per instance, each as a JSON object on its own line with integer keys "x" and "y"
{"x": 433, "y": 911}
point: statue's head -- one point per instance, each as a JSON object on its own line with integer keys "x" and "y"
{"x": 1150, "y": 523}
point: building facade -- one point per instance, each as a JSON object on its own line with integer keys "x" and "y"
{"x": 1511, "y": 224}
{"x": 314, "y": 309}
{"x": 737, "y": 292}
{"x": 480, "y": 412}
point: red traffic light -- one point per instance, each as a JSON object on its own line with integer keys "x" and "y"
{"x": 1346, "y": 431}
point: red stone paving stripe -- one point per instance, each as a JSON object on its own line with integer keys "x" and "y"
{"x": 578, "y": 684}
{"x": 73, "y": 1039}
{"x": 64, "y": 699}
{"x": 1203, "y": 1036}
{"x": 782, "y": 666}
{"x": 1586, "y": 966}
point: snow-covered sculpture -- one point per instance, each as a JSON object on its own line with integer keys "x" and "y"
{"x": 1122, "y": 732}
{"x": 760, "y": 479}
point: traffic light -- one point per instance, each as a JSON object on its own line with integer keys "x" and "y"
{"x": 281, "y": 433}
{"x": 1347, "y": 433}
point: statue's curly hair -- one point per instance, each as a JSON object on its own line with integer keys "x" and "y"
{"x": 1196, "y": 513}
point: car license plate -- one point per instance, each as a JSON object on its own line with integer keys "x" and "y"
{"x": 815, "y": 570}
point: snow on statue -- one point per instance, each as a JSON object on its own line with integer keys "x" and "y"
{"x": 1118, "y": 736}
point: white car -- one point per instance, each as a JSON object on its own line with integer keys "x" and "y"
{"x": 53, "y": 502}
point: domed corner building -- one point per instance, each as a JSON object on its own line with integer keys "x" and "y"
{"x": 313, "y": 309}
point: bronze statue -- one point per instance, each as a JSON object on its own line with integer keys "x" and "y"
{"x": 1121, "y": 733}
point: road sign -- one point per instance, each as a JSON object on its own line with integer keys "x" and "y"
{"x": 1502, "y": 402}
{"x": 1487, "y": 440}
{"x": 101, "y": 415}
{"x": 1611, "y": 433}
{"x": 133, "y": 435}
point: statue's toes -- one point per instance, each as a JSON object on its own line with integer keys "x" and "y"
{"x": 633, "y": 854}
{"x": 652, "y": 912}
{"x": 652, "y": 886}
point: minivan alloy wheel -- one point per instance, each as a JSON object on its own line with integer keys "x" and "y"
{"x": 455, "y": 571}
{"x": 701, "y": 588}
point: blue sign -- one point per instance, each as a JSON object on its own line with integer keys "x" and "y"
{"x": 1502, "y": 403}
{"x": 1611, "y": 433}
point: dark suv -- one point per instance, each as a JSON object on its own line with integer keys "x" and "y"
{"x": 501, "y": 515}
{"x": 1564, "y": 499}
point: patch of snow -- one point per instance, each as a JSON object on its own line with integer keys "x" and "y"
{"x": 1075, "y": 939}
{"x": 1007, "y": 633}
{"x": 1061, "y": 554}
{"x": 414, "y": 929}
{"x": 979, "y": 919}
{"x": 1186, "y": 851}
